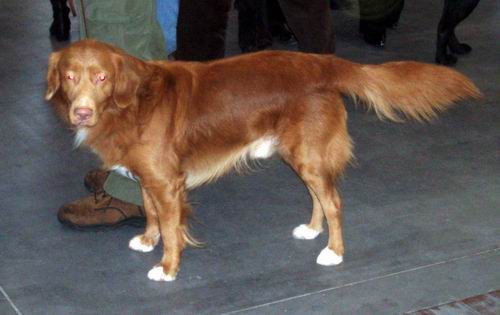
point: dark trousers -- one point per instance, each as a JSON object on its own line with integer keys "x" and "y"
{"x": 377, "y": 15}
{"x": 258, "y": 22}
{"x": 311, "y": 23}
{"x": 201, "y": 29}
{"x": 454, "y": 12}
{"x": 253, "y": 24}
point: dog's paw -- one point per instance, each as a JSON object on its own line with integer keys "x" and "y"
{"x": 303, "y": 232}
{"x": 138, "y": 244}
{"x": 327, "y": 257}
{"x": 157, "y": 274}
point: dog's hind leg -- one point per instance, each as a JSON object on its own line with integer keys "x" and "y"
{"x": 318, "y": 148}
{"x": 323, "y": 188}
{"x": 321, "y": 184}
{"x": 334, "y": 252}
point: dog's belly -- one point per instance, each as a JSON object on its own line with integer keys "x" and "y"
{"x": 262, "y": 148}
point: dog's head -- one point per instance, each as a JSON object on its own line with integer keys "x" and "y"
{"x": 87, "y": 77}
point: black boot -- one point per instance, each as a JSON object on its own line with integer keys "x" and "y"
{"x": 61, "y": 24}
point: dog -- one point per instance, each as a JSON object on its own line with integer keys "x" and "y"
{"x": 178, "y": 125}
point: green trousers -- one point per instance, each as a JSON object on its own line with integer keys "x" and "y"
{"x": 128, "y": 24}
{"x": 123, "y": 188}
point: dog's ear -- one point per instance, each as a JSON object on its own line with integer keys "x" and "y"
{"x": 53, "y": 81}
{"x": 126, "y": 80}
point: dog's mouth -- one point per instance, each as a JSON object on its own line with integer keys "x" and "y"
{"x": 82, "y": 123}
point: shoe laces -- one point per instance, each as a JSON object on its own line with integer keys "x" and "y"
{"x": 100, "y": 195}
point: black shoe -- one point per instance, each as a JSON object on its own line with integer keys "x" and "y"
{"x": 373, "y": 33}
{"x": 61, "y": 24}
{"x": 446, "y": 59}
{"x": 377, "y": 40}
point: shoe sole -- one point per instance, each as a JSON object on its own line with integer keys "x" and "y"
{"x": 135, "y": 222}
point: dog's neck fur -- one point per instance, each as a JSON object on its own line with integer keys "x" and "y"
{"x": 99, "y": 138}
{"x": 125, "y": 134}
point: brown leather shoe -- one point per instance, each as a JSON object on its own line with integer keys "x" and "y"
{"x": 100, "y": 210}
{"x": 94, "y": 180}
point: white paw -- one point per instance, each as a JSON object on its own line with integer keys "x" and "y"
{"x": 303, "y": 232}
{"x": 157, "y": 274}
{"x": 137, "y": 245}
{"x": 327, "y": 257}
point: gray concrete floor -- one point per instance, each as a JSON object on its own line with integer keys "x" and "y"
{"x": 421, "y": 203}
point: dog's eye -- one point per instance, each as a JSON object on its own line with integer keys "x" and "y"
{"x": 70, "y": 77}
{"x": 102, "y": 77}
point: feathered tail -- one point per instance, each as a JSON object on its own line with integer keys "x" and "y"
{"x": 416, "y": 90}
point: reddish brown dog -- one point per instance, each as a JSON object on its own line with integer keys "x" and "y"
{"x": 177, "y": 125}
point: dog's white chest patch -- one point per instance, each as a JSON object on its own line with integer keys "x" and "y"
{"x": 80, "y": 136}
{"x": 263, "y": 148}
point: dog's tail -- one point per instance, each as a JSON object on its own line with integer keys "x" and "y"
{"x": 416, "y": 90}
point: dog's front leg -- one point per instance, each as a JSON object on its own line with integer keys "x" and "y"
{"x": 147, "y": 241}
{"x": 169, "y": 199}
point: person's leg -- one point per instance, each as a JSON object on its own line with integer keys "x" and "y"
{"x": 375, "y": 17}
{"x": 311, "y": 23}
{"x": 454, "y": 12}
{"x": 373, "y": 32}
{"x": 201, "y": 29}
{"x": 121, "y": 205}
{"x": 278, "y": 25}
{"x": 246, "y": 24}
{"x": 263, "y": 37}
{"x": 123, "y": 188}
{"x": 129, "y": 24}
{"x": 392, "y": 19}
{"x": 167, "y": 12}
{"x": 61, "y": 24}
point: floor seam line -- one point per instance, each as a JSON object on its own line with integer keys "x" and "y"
{"x": 481, "y": 253}
{"x": 10, "y": 301}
